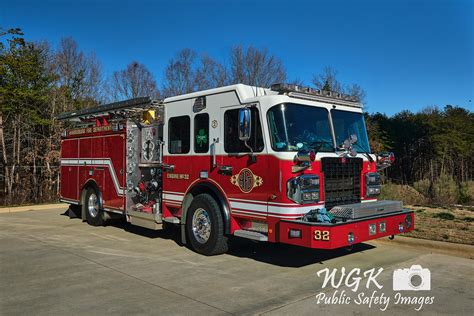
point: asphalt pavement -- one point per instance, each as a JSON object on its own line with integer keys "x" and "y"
{"x": 53, "y": 265}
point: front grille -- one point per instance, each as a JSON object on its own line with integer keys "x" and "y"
{"x": 341, "y": 180}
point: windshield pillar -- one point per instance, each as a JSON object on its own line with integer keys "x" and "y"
{"x": 284, "y": 121}
{"x": 333, "y": 134}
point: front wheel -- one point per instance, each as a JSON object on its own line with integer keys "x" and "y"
{"x": 205, "y": 226}
{"x": 94, "y": 213}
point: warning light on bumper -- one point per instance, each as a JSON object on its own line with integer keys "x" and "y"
{"x": 372, "y": 229}
{"x": 294, "y": 233}
{"x": 350, "y": 238}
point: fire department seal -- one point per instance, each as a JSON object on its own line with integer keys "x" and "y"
{"x": 246, "y": 180}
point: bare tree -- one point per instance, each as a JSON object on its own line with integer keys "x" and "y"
{"x": 328, "y": 81}
{"x": 181, "y": 75}
{"x": 79, "y": 75}
{"x": 211, "y": 74}
{"x": 255, "y": 67}
{"x": 134, "y": 81}
{"x": 356, "y": 91}
{"x": 187, "y": 72}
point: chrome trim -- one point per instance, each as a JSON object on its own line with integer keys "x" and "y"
{"x": 201, "y": 226}
{"x": 93, "y": 205}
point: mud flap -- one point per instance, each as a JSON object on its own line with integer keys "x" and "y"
{"x": 183, "y": 233}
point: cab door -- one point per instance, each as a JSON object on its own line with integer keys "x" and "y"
{"x": 244, "y": 168}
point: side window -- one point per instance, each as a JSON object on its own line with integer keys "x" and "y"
{"x": 179, "y": 134}
{"x": 201, "y": 133}
{"x": 232, "y": 143}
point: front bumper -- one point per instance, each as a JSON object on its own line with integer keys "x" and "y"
{"x": 332, "y": 236}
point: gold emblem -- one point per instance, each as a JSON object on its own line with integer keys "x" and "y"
{"x": 214, "y": 123}
{"x": 246, "y": 180}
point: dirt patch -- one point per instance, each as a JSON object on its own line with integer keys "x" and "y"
{"x": 443, "y": 224}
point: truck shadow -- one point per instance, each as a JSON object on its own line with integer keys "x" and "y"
{"x": 274, "y": 254}
{"x": 287, "y": 255}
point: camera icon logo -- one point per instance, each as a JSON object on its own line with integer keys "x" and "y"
{"x": 415, "y": 278}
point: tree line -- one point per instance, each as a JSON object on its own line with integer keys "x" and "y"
{"x": 433, "y": 149}
{"x": 38, "y": 81}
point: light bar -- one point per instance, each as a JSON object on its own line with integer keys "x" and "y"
{"x": 312, "y": 94}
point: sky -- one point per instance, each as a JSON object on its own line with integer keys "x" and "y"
{"x": 407, "y": 55}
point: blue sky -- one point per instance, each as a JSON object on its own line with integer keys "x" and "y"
{"x": 405, "y": 54}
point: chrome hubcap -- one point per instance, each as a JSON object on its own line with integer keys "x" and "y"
{"x": 201, "y": 225}
{"x": 93, "y": 205}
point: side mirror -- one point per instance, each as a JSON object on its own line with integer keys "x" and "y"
{"x": 353, "y": 138}
{"x": 385, "y": 160}
{"x": 245, "y": 124}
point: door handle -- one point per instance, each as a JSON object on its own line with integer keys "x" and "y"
{"x": 226, "y": 169}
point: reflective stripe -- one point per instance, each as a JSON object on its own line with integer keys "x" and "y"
{"x": 173, "y": 197}
{"x": 274, "y": 203}
{"x": 94, "y": 163}
{"x": 171, "y": 192}
{"x": 276, "y": 210}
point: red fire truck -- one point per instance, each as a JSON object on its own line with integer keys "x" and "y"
{"x": 287, "y": 164}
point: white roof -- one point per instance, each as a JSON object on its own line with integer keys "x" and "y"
{"x": 244, "y": 92}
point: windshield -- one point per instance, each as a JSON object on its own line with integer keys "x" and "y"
{"x": 347, "y": 124}
{"x": 294, "y": 126}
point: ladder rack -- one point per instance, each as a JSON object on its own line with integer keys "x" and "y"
{"x": 123, "y": 109}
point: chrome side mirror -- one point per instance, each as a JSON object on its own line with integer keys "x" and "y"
{"x": 245, "y": 124}
{"x": 353, "y": 138}
{"x": 385, "y": 160}
{"x": 347, "y": 145}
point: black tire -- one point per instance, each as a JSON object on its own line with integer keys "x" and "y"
{"x": 216, "y": 243}
{"x": 94, "y": 218}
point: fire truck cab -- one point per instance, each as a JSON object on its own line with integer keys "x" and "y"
{"x": 286, "y": 164}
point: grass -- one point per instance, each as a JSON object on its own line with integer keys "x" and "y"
{"x": 445, "y": 215}
{"x": 450, "y": 225}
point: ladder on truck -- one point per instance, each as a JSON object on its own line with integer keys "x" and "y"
{"x": 132, "y": 108}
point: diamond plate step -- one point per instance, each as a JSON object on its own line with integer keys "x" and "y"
{"x": 251, "y": 235}
{"x": 171, "y": 219}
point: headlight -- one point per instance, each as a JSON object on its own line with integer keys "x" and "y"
{"x": 373, "y": 184}
{"x": 303, "y": 189}
{"x": 373, "y": 190}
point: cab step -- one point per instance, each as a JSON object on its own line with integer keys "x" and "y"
{"x": 251, "y": 235}
{"x": 171, "y": 219}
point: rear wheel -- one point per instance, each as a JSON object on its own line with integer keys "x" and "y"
{"x": 205, "y": 226}
{"x": 94, "y": 213}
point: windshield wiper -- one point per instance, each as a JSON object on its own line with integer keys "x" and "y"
{"x": 365, "y": 153}
{"x": 319, "y": 144}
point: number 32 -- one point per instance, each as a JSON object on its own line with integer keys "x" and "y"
{"x": 321, "y": 235}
